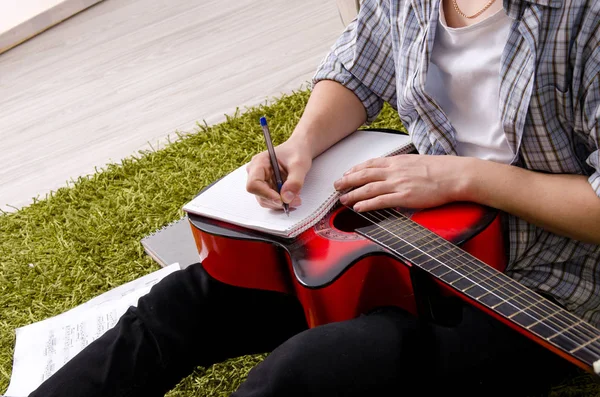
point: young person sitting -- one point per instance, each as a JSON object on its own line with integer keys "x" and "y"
{"x": 502, "y": 101}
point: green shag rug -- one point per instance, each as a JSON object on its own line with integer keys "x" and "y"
{"x": 84, "y": 239}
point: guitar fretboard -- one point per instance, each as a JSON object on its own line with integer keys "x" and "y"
{"x": 468, "y": 275}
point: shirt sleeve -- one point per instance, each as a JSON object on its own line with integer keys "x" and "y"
{"x": 362, "y": 59}
{"x": 591, "y": 111}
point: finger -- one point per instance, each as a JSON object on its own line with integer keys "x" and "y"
{"x": 366, "y": 192}
{"x": 359, "y": 178}
{"x": 277, "y": 204}
{"x": 294, "y": 182}
{"x": 379, "y": 202}
{"x": 379, "y": 162}
{"x": 271, "y": 204}
{"x": 259, "y": 182}
{"x": 296, "y": 202}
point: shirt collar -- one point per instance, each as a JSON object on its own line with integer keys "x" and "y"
{"x": 547, "y": 3}
{"x": 514, "y": 8}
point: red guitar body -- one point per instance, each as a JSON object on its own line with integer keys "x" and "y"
{"x": 336, "y": 273}
{"x": 349, "y": 264}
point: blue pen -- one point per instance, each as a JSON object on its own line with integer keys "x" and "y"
{"x": 274, "y": 163}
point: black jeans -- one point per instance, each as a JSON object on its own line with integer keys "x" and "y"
{"x": 189, "y": 319}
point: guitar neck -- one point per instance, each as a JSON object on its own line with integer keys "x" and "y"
{"x": 510, "y": 300}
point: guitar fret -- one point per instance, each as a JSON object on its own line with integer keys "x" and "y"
{"x": 530, "y": 306}
{"x": 566, "y": 330}
{"x": 400, "y": 246}
{"x": 515, "y": 298}
{"x": 429, "y": 252}
{"x": 586, "y": 344}
{"x": 416, "y": 253}
{"x": 402, "y": 230}
{"x": 491, "y": 300}
{"x": 512, "y": 304}
{"x": 397, "y": 246}
{"x": 458, "y": 283}
{"x": 521, "y": 302}
{"x": 543, "y": 319}
{"x": 497, "y": 284}
{"x": 565, "y": 326}
{"x": 485, "y": 280}
{"x": 588, "y": 353}
{"x": 441, "y": 270}
{"x": 467, "y": 266}
{"x": 451, "y": 277}
{"x": 415, "y": 245}
{"x": 542, "y": 329}
{"x": 422, "y": 241}
{"x": 473, "y": 273}
{"x": 560, "y": 333}
{"x": 565, "y": 342}
{"x": 475, "y": 291}
{"x": 569, "y": 340}
{"x": 388, "y": 240}
{"x": 506, "y": 308}
{"x": 522, "y": 318}
{"x": 577, "y": 328}
{"x": 429, "y": 247}
{"x": 433, "y": 247}
{"x": 416, "y": 259}
{"x": 463, "y": 261}
{"x": 429, "y": 264}
{"x": 469, "y": 269}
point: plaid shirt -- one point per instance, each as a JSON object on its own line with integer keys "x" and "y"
{"x": 550, "y": 110}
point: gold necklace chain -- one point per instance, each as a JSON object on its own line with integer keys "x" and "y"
{"x": 462, "y": 14}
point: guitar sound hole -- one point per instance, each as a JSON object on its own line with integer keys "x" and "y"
{"x": 348, "y": 221}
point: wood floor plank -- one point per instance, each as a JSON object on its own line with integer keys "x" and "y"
{"x": 128, "y": 73}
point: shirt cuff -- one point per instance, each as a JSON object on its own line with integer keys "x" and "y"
{"x": 594, "y": 161}
{"x": 332, "y": 69}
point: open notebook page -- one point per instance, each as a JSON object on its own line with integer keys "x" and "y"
{"x": 229, "y": 201}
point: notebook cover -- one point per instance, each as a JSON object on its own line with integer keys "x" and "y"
{"x": 173, "y": 243}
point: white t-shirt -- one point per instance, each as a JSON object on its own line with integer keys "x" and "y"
{"x": 464, "y": 79}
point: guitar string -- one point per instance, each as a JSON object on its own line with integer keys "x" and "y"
{"x": 509, "y": 282}
{"x": 484, "y": 269}
{"x": 504, "y": 289}
{"x": 466, "y": 256}
{"x": 571, "y": 330}
{"x": 565, "y": 332}
{"x": 571, "y": 327}
{"x": 590, "y": 348}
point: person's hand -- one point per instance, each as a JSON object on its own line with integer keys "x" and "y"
{"x": 294, "y": 162}
{"x": 409, "y": 181}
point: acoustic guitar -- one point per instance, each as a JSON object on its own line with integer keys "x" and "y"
{"x": 350, "y": 263}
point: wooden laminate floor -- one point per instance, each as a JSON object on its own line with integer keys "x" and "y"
{"x": 125, "y": 74}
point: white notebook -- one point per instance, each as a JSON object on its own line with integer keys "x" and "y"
{"x": 227, "y": 200}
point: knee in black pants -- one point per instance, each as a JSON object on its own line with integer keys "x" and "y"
{"x": 368, "y": 355}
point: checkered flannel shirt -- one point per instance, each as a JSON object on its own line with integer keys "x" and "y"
{"x": 550, "y": 109}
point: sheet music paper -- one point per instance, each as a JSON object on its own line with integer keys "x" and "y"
{"x": 228, "y": 200}
{"x": 44, "y": 347}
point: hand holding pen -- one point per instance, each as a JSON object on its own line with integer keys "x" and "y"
{"x": 294, "y": 160}
{"x": 274, "y": 162}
